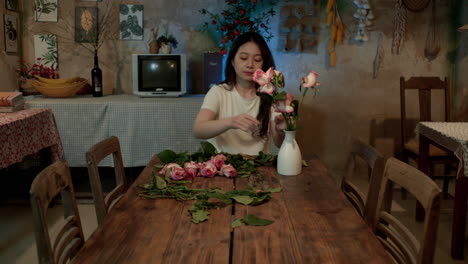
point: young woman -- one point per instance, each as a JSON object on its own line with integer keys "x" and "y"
{"x": 233, "y": 118}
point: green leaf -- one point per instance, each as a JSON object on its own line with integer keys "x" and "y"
{"x": 208, "y": 148}
{"x": 236, "y": 223}
{"x": 167, "y": 156}
{"x": 243, "y": 199}
{"x": 160, "y": 182}
{"x": 200, "y": 216}
{"x": 274, "y": 190}
{"x": 255, "y": 221}
{"x": 220, "y": 196}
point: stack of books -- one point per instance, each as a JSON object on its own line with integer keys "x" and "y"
{"x": 11, "y": 102}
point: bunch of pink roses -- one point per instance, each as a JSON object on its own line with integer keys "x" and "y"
{"x": 271, "y": 85}
{"x": 190, "y": 170}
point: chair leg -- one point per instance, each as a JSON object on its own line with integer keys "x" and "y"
{"x": 445, "y": 185}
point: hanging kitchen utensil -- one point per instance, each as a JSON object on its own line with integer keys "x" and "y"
{"x": 416, "y": 5}
{"x": 432, "y": 48}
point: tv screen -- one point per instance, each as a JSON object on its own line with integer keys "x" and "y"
{"x": 159, "y": 74}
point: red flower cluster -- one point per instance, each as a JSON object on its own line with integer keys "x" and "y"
{"x": 240, "y": 16}
{"x": 28, "y": 71}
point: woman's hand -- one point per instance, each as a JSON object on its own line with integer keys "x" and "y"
{"x": 280, "y": 123}
{"x": 245, "y": 123}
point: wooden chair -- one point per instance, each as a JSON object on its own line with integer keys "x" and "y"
{"x": 51, "y": 181}
{"x": 94, "y": 156}
{"x": 426, "y": 87}
{"x": 399, "y": 242}
{"x": 375, "y": 163}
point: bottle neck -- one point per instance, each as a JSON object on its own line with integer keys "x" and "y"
{"x": 96, "y": 63}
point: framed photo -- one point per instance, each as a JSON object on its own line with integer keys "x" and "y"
{"x": 131, "y": 22}
{"x": 86, "y": 24}
{"x": 10, "y": 23}
{"x": 45, "y": 47}
{"x": 46, "y": 10}
{"x": 11, "y": 5}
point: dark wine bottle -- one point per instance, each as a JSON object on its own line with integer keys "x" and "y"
{"x": 96, "y": 78}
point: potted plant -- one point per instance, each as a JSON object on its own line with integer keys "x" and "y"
{"x": 166, "y": 42}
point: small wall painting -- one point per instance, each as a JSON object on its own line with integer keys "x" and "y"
{"x": 46, "y": 10}
{"x": 10, "y": 23}
{"x": 299, "y": 26}
{"x": 131, "y": 22}
{"x": 45, "y": 47}
{"x": 11, "y": 5}
{"x": 86, "y": 24}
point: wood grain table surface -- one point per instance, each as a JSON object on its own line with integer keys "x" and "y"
{"x": 313, "y": 223}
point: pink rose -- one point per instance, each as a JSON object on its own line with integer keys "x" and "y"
{"x": 228, "y": 171}
{"x": 191, "y": 169}
{"x": 284, "y": 106}
{"x": 167, "y": 167}
{"x": 268, "y": 88}
{"x": 218, "y": 160}
{"x": 310, "y": 80}
{"x": 177, "y": 173}
{"x": 262, "y": 77}
{"x": 208, "y": 170}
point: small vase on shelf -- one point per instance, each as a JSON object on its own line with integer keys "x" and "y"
{"x": 165, "y": 48}
{"x": 289, "y": 156}
{"x": 96, "y": 78}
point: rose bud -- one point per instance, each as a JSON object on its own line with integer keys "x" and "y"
{"x": 209, "y": 170}
{"x": 168, "y": 166}
{"x": 218, "y": 160}
{"x": 177, "y": 173}
{"x": 190, "y": 169}
{"x": 228, "y": 171}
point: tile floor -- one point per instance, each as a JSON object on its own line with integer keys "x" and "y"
{"x": 17, "y": 243}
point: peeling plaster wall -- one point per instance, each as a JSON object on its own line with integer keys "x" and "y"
{"x": 349, "y": 100}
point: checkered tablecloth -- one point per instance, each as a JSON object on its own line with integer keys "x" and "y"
{"x": 451, "y": 135}
{"x": 25, "y": 132}
{"x": 144, "y": 126}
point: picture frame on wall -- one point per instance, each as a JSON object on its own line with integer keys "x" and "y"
{"x": 11, "y": 5}
{"x": 131, "y": 22}
{"x": 46, "y": 10}
{"x": 86, "y": 24}
{"x": 10, "y": 22}
{"x": 45, "y": 47}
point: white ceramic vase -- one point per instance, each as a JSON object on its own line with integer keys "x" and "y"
{"x": 165, "y": 48}
{"x": 289, "y": 156}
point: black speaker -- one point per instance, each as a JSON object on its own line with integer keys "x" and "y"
{"x": 212, "y": 69}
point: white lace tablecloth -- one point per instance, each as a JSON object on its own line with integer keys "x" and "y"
{"x": 144, "y": 126}
{"x": 451, "y": 135}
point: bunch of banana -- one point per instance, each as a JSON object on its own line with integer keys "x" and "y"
{"x": 56, "y": 81}
{"x": 336, "y": 30}
{"x": 58, "y": 87}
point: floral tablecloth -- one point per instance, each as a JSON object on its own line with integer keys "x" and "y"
{"x": 25, "y": 132}
{"x": 452, "y": 135}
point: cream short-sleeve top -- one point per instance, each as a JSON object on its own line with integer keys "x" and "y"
{"x": 228, "y": 103}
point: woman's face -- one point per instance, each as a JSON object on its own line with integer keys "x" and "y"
{"x": 247, "y": 60}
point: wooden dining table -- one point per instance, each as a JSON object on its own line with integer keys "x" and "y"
{"x": 313, "y": 223}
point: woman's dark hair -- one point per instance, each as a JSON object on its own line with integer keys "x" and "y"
{"x": 268, "y": 61}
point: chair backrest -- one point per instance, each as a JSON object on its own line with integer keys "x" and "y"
{"x": 399, "y": 242}
{"x": 46, "y": 186}
{"x": 94, "y": 156}
{"x": 424, "y": 87}
{"x": 375, "y": 163}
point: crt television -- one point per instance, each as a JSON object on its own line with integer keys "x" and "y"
{"x": 159, "y": 75}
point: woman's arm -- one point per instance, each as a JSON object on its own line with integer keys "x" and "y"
{"x": 207, "y": 126}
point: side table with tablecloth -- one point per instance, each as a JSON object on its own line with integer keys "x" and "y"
{"x": 26, "y": 132}
{"x": 144, "y": 126}
{"x": 453, "y": 136}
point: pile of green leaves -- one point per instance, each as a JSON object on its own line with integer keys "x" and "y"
{"x": 245, "y": 165}
{"x": 216, "y": 198}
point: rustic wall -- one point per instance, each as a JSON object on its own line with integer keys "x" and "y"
{"x": 349, "y": 100}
